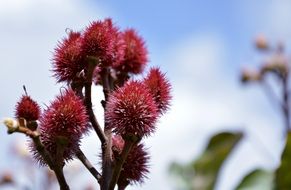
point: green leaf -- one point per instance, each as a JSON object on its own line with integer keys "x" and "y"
{"x": 208, "y": 165}
{"x": 257, "y": 179}
{"x": 283, "y": 173}
{"x": 202, "y": 173}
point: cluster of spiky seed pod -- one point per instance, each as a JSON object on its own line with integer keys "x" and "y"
{"x": 132, "y": 107}
{"x": 124, "y": 52}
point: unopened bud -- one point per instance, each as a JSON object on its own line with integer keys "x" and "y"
{"x": 11, "y": 124}
{"x": 277, "y": 64}
{"x": 249, "y": 76}
{"x": 6, "y": 178}
{"x": 261, "y": 42}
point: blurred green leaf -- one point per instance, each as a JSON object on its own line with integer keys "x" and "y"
{"x": 207, "y": 166}
{"x": 202, "y": 173}
{"x": 183, "y": 175}
{"x": 257, "y": 179}
{"x": 283, "y": 173}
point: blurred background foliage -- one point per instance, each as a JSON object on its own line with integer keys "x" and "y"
{"x": 203, "y": 172}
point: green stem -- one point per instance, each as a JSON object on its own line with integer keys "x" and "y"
{"x": 285, "y": 107}
{"x": 35, "y": 136}
{"x": 81, "y": 156}
{"x": 92, "y": 62}
{"x": 117, "y": 169}
{"x": 106, "y": 149}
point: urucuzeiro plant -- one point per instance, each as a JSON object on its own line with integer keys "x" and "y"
{"x": 101, "y": 55}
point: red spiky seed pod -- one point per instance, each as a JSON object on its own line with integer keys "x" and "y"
{"x": 135, "y": 167}
{"x": 131, "y": 110}
{"x": 118, "y": 46}
{"x": 27, "y": 108}
{"x": 65, "y": 119}
{"x": 98, "y": 40}
{"x": 160, "y": 88}
{"x": 135, "y": 53}
{"x": 67, "y": 60}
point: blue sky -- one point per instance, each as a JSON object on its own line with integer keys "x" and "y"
{"x": 201, "y": 45}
